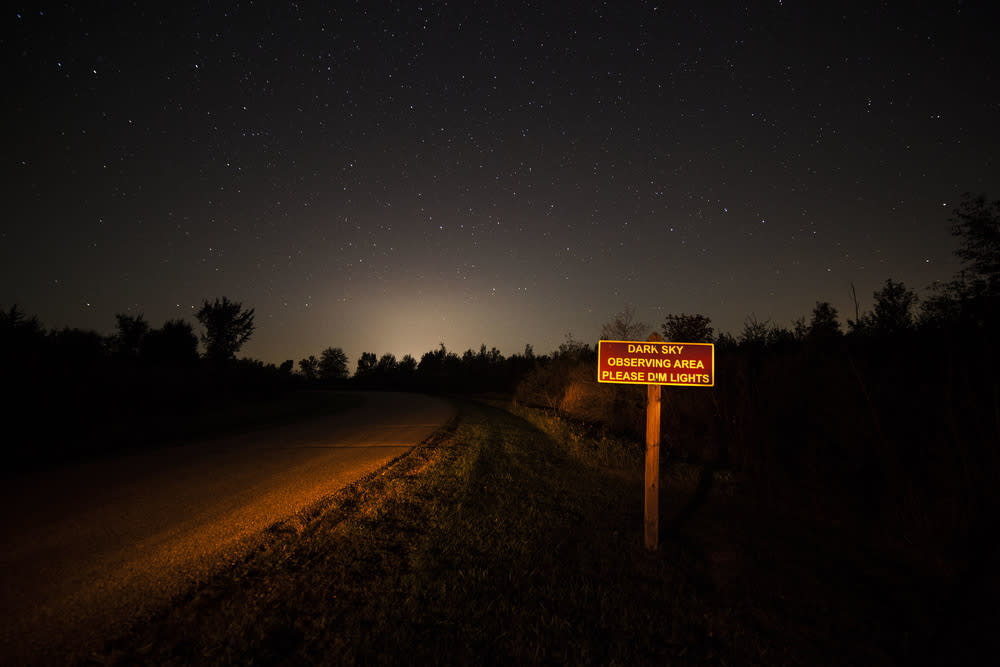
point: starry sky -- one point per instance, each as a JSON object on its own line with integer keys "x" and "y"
{"x": 389, "y": 176}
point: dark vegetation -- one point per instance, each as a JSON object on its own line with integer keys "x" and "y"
{"x": 81, "y": 394}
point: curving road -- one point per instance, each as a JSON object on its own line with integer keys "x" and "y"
{"x": 86, "y": 550}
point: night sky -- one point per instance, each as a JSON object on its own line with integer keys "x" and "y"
{"x": 385, "y": 177}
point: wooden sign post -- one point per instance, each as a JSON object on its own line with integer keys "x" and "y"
{"x": 652, "y": 502}
{"x": 655, "y": 363}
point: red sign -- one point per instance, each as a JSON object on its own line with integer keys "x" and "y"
{"x": 649, "y": 362}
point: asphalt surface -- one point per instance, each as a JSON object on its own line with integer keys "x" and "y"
{"x": 87, "y": 550}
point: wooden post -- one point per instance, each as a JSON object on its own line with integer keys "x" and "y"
{"x": 652, "y": 504}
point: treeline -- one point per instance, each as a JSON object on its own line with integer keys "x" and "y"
{"x": 34, "y": 358}
{"x": 438, "y": 371}
{"x": 76, "y": 392}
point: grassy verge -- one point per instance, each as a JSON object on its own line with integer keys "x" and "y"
{"x": 516, "y": 539}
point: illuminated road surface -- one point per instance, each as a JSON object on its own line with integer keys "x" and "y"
{"x": 85, "y": 550}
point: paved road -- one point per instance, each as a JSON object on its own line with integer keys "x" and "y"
{"x": 84, "y": 550}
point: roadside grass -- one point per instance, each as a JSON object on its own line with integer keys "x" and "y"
{"x": 517, "y": 538}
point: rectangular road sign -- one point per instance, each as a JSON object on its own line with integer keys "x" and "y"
{"x": 648, "y": 362}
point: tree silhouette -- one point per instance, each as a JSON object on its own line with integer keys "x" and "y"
{"x": 22, "y": 343}
{"x": 824, "y": 325}
{"x": 432, "y": 361}
{"x": 756, "y": 333}
{"x": 172, "y": 344}
{"x": 438, "y": 368}
{"x": 625, "y": 326}
{"x": 407, "y": 365}
{"x": 127, "y": 340}
{"x": 16, "y": 329}
{"x": 227, "y": 328}
{"x": 572, "y": 349}
{"x": 894, "y": 306}
{"x": 332, "y": 364}
{"x": 366, "y": 364}
{"x": 688, "y": 328}
{"x": 977, "y": 223}
{"x": 387, "y": 365}
{"x": 78, "y": 347}
{"x": 309, "y": 367}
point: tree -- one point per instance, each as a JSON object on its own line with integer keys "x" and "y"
{"x": 824, "y": 325}
{"x": 573, "y": 350}
{"x": 756, "y": 333}
{"x": 940, "y": 310}
{"x": 407, "y": 365}
{"x": 800, "y": 329}
{"x": 894, "y": 306}
{"x": 725, "y": 341}
{"x": 172, "y": 344}
{"x": 127, "y": 341}
{"x": 438, "y": 368}
{"x": 22, "y": 342}
{"x": 977, "y": 223}
{"x": 688, "y": 328}
{"x": 625, "y": 326}
{"x": 227, "y": 328}
{"x": 332, "y": 364}
{"x": 432, "y": 362}
{"x": 78, "y": 347}
{"x": 387, "y": 365}
{"x": 16, "y": 329}
{"x": 366, "y": 364}
{"x": 309, "y": 367}
{"x": 15, "y": 319}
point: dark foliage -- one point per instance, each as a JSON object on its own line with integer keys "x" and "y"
{"x": 125, "y": 343}
{"x": 972, "y": 299}
{"x": 227, "y": 328}
{"x": 309, "y": 367}
{"x": 976, "y": 222}
{"x": 824, "y": 326}
{"x": 688, "y": 328}
{"x": 174, "y": 344}
{"x": 84, "y": 394}
{"x": 332, "y": 366}
{"x": 625, "y": 326}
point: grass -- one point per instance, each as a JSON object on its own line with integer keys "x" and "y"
{"x": 517, "y": 538}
